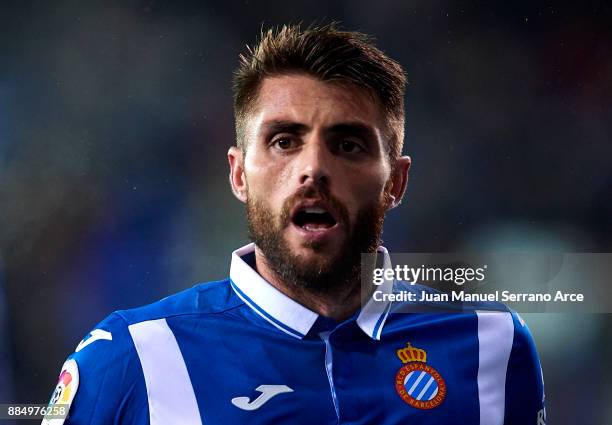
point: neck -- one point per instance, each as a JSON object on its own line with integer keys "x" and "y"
{"x": 338, "y": 305}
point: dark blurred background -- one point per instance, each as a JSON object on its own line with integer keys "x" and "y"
{"x": 115, "y": 119}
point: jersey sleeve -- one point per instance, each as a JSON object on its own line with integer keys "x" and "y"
{"x": 524, "y": 380}
{"x": 102, "y": 381}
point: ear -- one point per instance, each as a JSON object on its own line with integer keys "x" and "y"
{"x": 398, "y": 180}
{"x": 237, "y": 177}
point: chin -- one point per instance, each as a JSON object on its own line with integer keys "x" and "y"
{"x": 316, "y": 255}
{"x": 315, "y": 248}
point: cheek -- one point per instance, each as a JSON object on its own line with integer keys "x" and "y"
{"x": 366, "y": 188}
{"x": 267, "y": 182}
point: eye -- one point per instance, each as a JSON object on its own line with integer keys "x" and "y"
{"x": 349, "y": 146}
{"x": 283, "y": 143}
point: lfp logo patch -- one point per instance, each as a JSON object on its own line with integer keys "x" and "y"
{"x": 417, "y": 383}
{"x": 64, "y": 391}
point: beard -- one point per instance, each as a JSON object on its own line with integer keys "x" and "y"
{"x": 327, "y": 274}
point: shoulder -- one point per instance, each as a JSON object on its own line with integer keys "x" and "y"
{"x": 101, "y": 363}
{"x": 106, "y": 371}
{"x": 204, "y": 298}
{"x": 111, "y": 340}
{"x": 494, "y": 322}
{"x": 524, "y": 379}
{"x": 523, "y": 344}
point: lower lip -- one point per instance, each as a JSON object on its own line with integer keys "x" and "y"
{"x": 318, "y": 235}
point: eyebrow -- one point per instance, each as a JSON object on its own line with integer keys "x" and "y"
{"x": 352, "y": 128}
{"x": 280, "y": 126}
{"x": 358, "y": 129}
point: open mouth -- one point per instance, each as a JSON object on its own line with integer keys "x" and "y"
{"x": 313, "y": 218}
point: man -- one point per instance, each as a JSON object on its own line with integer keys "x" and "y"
{"x": 319, "y": 119}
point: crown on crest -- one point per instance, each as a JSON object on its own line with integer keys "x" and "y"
{"x": 411, "y": 354}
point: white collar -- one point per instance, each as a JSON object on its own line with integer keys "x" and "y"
{"x": 288, "y": 315}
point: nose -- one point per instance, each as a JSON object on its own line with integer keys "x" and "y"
{"x": 315, "y": 163}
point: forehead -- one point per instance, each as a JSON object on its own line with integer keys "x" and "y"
{"x": 305, "y": 99}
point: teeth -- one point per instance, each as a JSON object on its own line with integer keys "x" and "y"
{"x": 315, "y": 210}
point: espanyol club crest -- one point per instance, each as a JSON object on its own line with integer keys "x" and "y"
{"x": 417, "y": 383}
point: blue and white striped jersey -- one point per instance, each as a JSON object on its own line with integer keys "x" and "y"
{"x": 239, "y": 351}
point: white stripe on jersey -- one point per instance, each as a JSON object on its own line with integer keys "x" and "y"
{"x": 495, "y": 338}
{"x": 169, "y": 390}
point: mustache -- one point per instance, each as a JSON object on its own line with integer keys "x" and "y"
{"x": 314, "y": 192}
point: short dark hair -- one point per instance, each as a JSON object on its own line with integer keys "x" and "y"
{"x": 329, "y": 54}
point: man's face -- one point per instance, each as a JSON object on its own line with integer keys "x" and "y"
{"x": 316, "y": 177}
